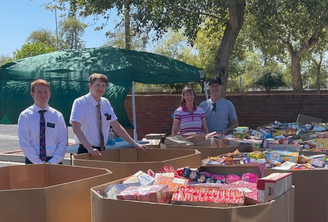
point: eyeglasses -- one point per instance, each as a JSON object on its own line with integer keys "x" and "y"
{"x": 214, "y": 107}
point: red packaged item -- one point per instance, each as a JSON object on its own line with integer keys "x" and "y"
{"x": 179, "y": 171}
{"x": 151, "y": 173}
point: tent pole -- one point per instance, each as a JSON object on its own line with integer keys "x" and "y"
{"x": 205, "y": 88}
{"x": 135, "y": 137}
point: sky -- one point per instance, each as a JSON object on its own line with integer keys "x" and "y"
{"x": 19, "y": 18}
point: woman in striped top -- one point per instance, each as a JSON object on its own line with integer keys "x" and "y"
{"x": 189, "y": 118}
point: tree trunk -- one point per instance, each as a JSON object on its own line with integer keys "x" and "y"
{"x": 296, "y": 73}
{"x": 127, "y": 27}
{"x": 234, "y": 25}
{"x": 296, "y": 59}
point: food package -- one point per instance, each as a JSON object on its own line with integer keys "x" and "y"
{"x": 172, "y": 182}
{"x": 199, "y": 195}
{"x": 151, "y": 193}
{"x": 195, "y": 138}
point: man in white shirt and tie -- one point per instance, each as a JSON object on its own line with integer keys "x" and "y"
{"x": 42, "y": 131}
{"x": 85, "y": 119}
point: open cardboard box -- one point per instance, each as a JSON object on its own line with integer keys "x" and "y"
{"x": 311, "y": 194}
{"x": 232, "y": 169}
{"x": 208, "y": 151}
{"x": 48, "y": 193}
{"x": 125, "y": 162}
{"x": 103, "y": 210}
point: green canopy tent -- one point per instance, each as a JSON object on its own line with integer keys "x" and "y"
{"x": 68, "y": 71}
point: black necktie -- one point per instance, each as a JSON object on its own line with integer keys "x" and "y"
{"x": 43, "y": 153}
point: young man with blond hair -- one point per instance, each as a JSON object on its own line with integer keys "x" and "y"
{"x": 90, "y": 128}
{"x": 42, "y": 131}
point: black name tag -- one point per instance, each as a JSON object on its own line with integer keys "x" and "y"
{"x": 108, "y": 117}
{"x": 51, "y": 125}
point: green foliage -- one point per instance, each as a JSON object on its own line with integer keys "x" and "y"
{"x": 71, "y": 31}
{"x": 117, "y": 40}
{"x": 5, "y": 59}
{"x": 288, "y": 26}
{"x": 33, "y": 49}
{"x": 270, "y": 80}
{"x": 43, "y": 35}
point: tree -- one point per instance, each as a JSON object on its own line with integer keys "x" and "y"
{"x": 32, "y": 49}
{"x": 85, "y": 8}
{"x": 71, "y": 31}
{"x": 294, "y": 26}
{"x": 117, "y": 40}
{"x": 43, "y": 35}
{"x": 270, "y": 80}
{"x": 4, "y": 59}
{"x": 186, "y": 15}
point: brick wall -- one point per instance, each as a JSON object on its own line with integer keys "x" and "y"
{"x": 153, "y": 111}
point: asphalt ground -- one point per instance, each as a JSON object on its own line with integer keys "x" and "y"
{"x": 9, "y": 139}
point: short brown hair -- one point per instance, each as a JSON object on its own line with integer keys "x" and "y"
{"x": 39, "y": 82}
{"x": 99, "y": 76}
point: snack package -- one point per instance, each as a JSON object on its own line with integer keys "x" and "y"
{"x": 232, "y": 178}
{"x": 172, "y": 182}
{"x": 249, "y": 177}
{"x": 151, "y": 193}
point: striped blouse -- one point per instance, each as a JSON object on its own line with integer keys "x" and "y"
{"x": 189, "y": 122}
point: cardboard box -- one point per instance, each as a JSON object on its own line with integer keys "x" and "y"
{"x": 273, "y": 186}
{"x": 311, "y": 193}
{"x": 48, "y": 193}
{"x": 125, "y": 162}
{"x": 208, "y": 151}
{"x": 154, "y": 139}
{"x": 322, "y": 143}
{"x": 177, "y": 141}
{"x": 103, "y": 210}
{"x": 196, "y": 138}
{"x": 304, "y": 119}
{"x": 235, "y": 142}
{"x": 233, "y": 169}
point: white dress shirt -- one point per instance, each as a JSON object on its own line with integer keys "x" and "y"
{"x": 84, "y": 111}
{"x": 29, "y": 134}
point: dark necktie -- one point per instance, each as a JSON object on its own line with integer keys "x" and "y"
{"x": 102, "y": 147}
{"x": 43, "y": 152}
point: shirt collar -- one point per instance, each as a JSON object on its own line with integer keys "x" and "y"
{"x": 36, "y": 108}
{"x": 92, "y": 100}
{"x": 184, "y": 108}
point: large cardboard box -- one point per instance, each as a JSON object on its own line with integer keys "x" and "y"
{"x": 304, "y": 119}
{"x": 208, "y": 151}
{"x": 125, "y": 162}
{"x": 103, "y": 210}
{"x": 48, "y": 193}
{"x": 311, "y": 194}
{"x": 232, "y": 169}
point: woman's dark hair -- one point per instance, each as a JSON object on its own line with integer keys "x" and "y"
{"x": 187, "y": 89}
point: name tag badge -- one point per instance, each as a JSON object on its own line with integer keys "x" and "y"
{"x": 108, "y": 117}
{"x": 51, "y": 125}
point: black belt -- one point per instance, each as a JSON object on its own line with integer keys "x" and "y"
{"x": 82, "y": 149}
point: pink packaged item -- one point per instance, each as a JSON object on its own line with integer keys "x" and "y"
{"x": 250, "y": 177}
{"x": 232, "y": 178}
